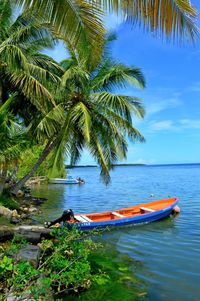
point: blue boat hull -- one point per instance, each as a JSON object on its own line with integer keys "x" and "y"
{"x": 135, "y": 220}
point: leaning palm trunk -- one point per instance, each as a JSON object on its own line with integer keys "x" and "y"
{"x": 48, "y": 148}
{"x": 3, "y": 176}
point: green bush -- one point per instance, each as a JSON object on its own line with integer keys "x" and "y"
{"x": 7, "y": 201}
{"x": 63, "y": 268}
{"x": 29, "y": 157}
{"x": 72, "y": 267}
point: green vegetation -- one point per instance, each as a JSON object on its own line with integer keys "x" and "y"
{"x": 29, "y": 157}
{"x": 63, "y": 267}
{"x": 4, "y": 221}
{"x": 119, "y": 281}
{"x": 7, "y": 201}
{"x": 69, "y": 265}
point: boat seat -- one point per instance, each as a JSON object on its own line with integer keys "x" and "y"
{"x": 87, "y": 218}
{"x": 147, "y": 209}
{"x": 82, "y": 218}
{"x": 117, "y": 214}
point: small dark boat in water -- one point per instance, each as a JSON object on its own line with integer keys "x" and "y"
{"x": 142, "y": 213}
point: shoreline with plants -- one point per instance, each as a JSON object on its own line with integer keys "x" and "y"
{"x": 36, "y": 262}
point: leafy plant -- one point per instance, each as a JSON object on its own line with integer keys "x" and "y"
{"x": 6, "y": 266}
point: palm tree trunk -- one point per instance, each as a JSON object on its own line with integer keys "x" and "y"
{"x": 16, "y": 187}
{"x": 1, "y": 94}
{"x": 3, "y": 178}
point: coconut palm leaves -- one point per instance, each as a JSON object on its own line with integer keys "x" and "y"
{"x": 77, "y": 22}
{"x": 22, "y": 67}
{"x": 174, "y": 19}
{"x": 95, "y": 117}
{"x": 114, "y": 75}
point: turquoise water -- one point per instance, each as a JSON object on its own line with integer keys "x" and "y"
{"x": 170, "y": 249}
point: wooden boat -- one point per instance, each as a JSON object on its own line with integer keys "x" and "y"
{"x": 142, "y": 213}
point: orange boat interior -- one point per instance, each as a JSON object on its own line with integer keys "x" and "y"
{"x": 140, "y": 209}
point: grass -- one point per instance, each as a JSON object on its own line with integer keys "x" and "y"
{"x": 5, "y": 222}
{"x": 7, "y": 201}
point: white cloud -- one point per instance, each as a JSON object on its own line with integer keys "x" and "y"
{"x": 190, "y": 123}
{"x": 170, "y": 125}
{"x": 195, "y": 87}
{"x": 161, "y": 125}
{"x": 157, "y": 106}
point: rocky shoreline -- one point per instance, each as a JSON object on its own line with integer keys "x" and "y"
{"x": 20, "y": 221}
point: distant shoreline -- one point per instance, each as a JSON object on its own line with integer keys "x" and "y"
{"x": 132, "y": 164}
{"x": 82, "y": 166}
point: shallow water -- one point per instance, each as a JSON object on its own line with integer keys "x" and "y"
{"x": 168, "y": 249}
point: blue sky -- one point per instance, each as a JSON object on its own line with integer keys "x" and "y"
{"x": 171, "y": 98}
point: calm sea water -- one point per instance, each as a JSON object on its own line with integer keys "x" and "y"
{"x": 169, "y": 249}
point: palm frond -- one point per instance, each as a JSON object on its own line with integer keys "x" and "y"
{"x": 5, "y": 18}
{"x": 113, "y": 135}
{"x": 47, "y": 63}
{"x": 80, "y": 116}
{"x": 101, "y": 157}
{"x": 173, "y": 19}
{"x": 42, "y": 74}
{"x": 76, "y": 76}
{"x": 111, "y": 76}
{"x": 76, "y": 147}
{"x": 28, "y": 31}
{"x": 61, "y": 148}
{"x": 5, "y": 106}
{"x": 32, "y": 89}
{"x": 126, "y": 127}
{"x": 79, "y": 21}
{"x": 68, "y": 63}
{"x": 13, "y": 57}
{"x": 123, "y": 105}
{"x": 51, "y": 123}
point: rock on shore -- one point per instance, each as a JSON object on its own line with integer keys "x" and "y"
{"x": 32, "y": 234}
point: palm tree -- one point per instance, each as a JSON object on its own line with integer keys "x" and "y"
{"x": 80, "y": 20}
{"x": 93, "y": 116}
{"x": 25, "y": 73}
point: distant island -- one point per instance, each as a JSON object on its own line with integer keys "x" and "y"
{"x": 134, "y": 164}
{"x": 123, "y": 164}
{"x": 129, "y": 164}
{"x": 79, "y": 166}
